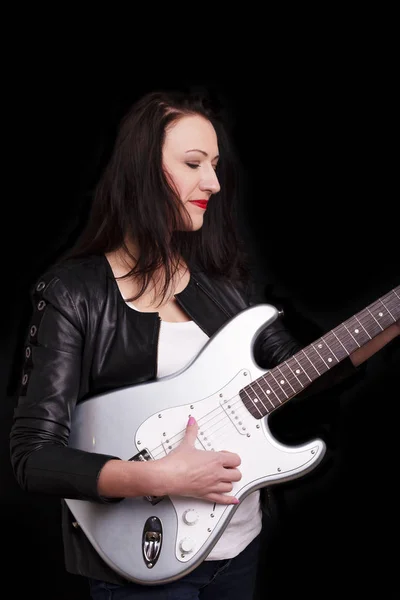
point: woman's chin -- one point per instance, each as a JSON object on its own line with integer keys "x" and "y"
{"x": 194, "y": 223}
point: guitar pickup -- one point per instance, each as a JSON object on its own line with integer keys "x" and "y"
{"x": 144, "y": 456}
{"x": 235, "y": 418}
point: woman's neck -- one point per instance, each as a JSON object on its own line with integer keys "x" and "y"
{"x": 154, "y": 293}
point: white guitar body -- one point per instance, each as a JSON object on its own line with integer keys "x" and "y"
{"x": 152, "y": 417}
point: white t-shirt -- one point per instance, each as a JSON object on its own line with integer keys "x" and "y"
{"x": 178, "y": 344}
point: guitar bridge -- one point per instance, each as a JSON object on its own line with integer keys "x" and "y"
{"x": 144, "y": 456}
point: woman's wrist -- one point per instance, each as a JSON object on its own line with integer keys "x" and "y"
{"x": 127, "y": 479}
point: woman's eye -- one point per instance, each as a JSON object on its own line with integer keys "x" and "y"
{"x": 192, "y": 165}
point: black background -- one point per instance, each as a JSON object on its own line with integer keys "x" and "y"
{"x": 317, "y": 135}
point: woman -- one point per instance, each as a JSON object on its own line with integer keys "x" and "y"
{"x": 159, "y": 261}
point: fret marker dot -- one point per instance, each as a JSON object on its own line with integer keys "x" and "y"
{"x": 329, "y": 359}
{"x": 380, "y": 314}
{"x": 297, "y": 370}
{"x": 268, "y": 391}
{"x": 356, "y": 331}
{"x": 255, "y": 400}
{"x": 282, "y": 382}
{"x": 319, "y": 345}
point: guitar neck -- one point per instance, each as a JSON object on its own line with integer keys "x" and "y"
{"x": 267, "y": 393}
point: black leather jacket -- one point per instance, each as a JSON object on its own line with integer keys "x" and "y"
{"x": 84, "y": 340}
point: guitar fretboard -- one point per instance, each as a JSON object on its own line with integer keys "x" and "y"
{"x": 275, "y": 387}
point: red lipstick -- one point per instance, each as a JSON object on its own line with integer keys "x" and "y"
{"x": 201, "y": 203}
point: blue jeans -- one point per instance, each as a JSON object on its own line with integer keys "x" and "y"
{"x": 232, "y": 579}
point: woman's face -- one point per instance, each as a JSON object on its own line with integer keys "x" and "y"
{"x": 190, "y": 156}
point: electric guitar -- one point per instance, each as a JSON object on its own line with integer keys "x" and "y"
{"x": 153, "y": 540}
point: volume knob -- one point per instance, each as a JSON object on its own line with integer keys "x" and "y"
{"x": 190, "y": 516}
{"x": 186, "y": 545}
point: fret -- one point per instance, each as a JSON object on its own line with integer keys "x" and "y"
{"x": 252, "y": 396}
{"x": 298, "y": 370}
{"x": 381, "y": 312}
{"x": 391, "y": 299}
{"x": 346, "y": 338}
{"x": 316, "y": 359}
{"x": 287, "y": 377}
{"x": 306, "y": 365}
{"x": 358, "y": 335}
{"x": 338, "y": 353}
{"x": 305, "y": 354}
{"x": 284, "y": 381}
{"x": 361, "y": 325}
{"x": 321, "y": 355}
{"x": 280, "y": 383}
{"x": 252, "y": 407}
{"x": 262, "y": 401}
{"x": 325, "y": 351}
{"x": 369, "y": 323}
{"x": 271, "y": 398}
{"x": 340, "y": 341}
{"x": 351, "y": 342}
{"x": 376, "y": 320}
{"x": 261, "y": 395}
{"x": 274, "y": 387}
{"x": 291, "y": 375}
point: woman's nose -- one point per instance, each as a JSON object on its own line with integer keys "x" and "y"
{"x": 210, "y": 182}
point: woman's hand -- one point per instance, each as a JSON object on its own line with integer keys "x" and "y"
{"x": 209, "y": 475}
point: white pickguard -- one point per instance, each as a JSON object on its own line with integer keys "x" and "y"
{"x": 224, "y": 424}
{"x": 153, "y": 416}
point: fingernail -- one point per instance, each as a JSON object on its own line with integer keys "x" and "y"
{"x": 191, "y": 421}
{"x": 236, "y": 501}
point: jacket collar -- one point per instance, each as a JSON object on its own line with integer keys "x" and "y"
{"x": 208, "y": 308}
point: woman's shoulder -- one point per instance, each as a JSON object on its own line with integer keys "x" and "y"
{"x": 77, "y": 275}
{"x": 76, "y": 267}
{"x": 74, "y": 288}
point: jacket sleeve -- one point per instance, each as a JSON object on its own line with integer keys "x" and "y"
{"x": 276, "y": 343}
{"x": 50, "y": 380}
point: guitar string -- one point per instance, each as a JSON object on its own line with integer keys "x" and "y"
{"x": 225, "y": 419}
{"x": 220, "y": 418}
{"x": 209, "y": 420}
{"x": 240, "y": 411}
{"x": 206, "y": 423}
{"x": 208, "y": 446}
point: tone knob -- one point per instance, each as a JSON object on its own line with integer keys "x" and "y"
{"x": 190, "y": 516}
{"x": 186, "y": 545}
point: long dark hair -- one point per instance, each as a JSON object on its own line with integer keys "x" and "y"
{"x": 134, "y": 198}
